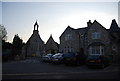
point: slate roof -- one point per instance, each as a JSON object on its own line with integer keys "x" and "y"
{"x": 51, "y": 43}
{"x": 81, "y": 29}
{"x": 32, "y": 36}
{"x": 114, "y": 26}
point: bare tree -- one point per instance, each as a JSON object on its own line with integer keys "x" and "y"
{"x": 3, "y": 33}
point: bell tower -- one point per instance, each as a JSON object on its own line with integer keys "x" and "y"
{"x": 36, "y": 25}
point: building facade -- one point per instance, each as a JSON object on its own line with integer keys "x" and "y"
{"x": 69, "y": 41}
{"x": 91, "y": 40}
{"x": 51, "y": 46}
{"x": 35, "y": 45}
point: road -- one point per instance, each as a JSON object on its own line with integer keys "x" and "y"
{"x": 35, "y": 69}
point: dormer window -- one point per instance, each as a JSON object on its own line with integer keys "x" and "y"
{"x": 96, "y": 35}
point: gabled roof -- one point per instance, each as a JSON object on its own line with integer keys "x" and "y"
{"x": 51, "y": 43}
{"x": 84, "y": 30}
{"x": 50, "y": 39}
{"x": 66, "y": 29}
{"x": 32, "y": 36}
{"x": 96, "y": 22}
{"x": 114, "y": 26}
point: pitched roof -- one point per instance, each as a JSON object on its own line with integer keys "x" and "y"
{"x": 66, "y": 29}
{"x": 114, "y": 26}
{"x": 35, "y": 33}
{"x": 51, "y": 43}
{"x": 98, "y": 24}
{"x": 50, "y": 39}
{"x": 81, "y": 29}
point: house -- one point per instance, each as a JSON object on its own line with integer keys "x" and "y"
{"x": 97, "y": 39}
{"x": 69, "y": 41}
{"x": 51, "y": 46}
{"x": 91, "y": 40}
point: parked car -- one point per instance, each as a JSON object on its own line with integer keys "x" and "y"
{"x": 47, "y": 58}
{"x": 57, "y": 58}
{"x": 97, "y": 60}
{"x": 74, "y": 59}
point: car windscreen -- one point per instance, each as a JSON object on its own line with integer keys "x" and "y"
{"x": 57, "y": 55}
{"x": 49, "y": 55}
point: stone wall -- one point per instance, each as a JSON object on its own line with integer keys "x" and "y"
{"x": 69, "y": 45}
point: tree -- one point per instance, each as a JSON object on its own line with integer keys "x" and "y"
{"x": 6, "y": 45}
{"x": 17, "y": 45}
{"x": 17, "y": 42}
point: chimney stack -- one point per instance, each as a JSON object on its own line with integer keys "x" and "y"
{"x": 89, "y": 23}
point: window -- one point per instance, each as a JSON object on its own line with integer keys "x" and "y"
{"x": 95, "y": 35}
{"x": 68, "y": 37}
{"x": 68, "y": 49}
{"x": 96, "y": 50}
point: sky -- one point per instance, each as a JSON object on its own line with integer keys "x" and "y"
{"x": 54, "y": 17}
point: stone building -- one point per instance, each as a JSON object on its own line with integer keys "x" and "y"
{"x": 35, "y": 45}
{"x": 69, "y": 41}
{"x": 91, "y": 40}
{"x": 51, "y": 46}
{"x": 115, "y": 40}
{"x": 97, "y": 39}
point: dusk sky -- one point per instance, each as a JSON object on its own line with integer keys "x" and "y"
{"x": 54, "y": 17}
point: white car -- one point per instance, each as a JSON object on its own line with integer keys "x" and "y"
{"x": 47, "y": 58}
{"x": 57, "y": 58}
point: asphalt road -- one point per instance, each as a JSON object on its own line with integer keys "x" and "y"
{"x": 78, "y": 75}
{"x": 35, "y": 69}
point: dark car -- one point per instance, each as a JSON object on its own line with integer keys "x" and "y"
{"x": 74, "y": 59}
{"x": 47, "y": 58}
{"x": 57, "y": 58}
{"x": 97, "y": 60}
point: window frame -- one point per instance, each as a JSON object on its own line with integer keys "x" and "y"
{"x": 68, "y": 36}
{"x": 96, "y": 50}
{"x": 96, "y": 35}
